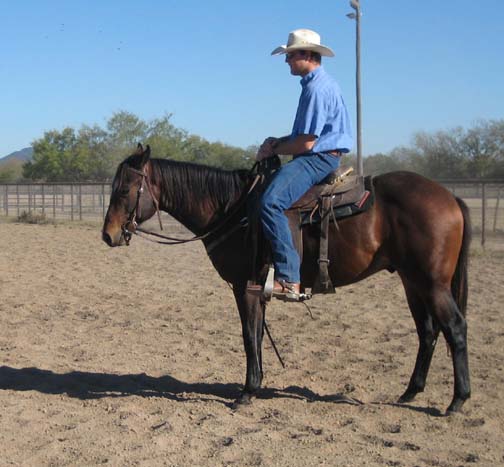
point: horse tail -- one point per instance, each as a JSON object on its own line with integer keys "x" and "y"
{"x": 459, "y": 285}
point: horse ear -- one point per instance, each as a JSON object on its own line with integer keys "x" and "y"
{"x": 146, "y": 155}
{"x": 139, "y": 150}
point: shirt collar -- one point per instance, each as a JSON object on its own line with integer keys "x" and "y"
{"x": 307, "y": 78}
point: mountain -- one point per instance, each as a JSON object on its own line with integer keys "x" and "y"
{"x": 11, "y": 166}
{"x": 23, "y": 155}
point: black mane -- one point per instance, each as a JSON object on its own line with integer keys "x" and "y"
{"x": 181, "y": 180}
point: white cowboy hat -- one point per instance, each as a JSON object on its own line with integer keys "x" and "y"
{"x": 303, "y": 39}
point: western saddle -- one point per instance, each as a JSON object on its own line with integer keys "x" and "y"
{"x": 341, "y": 194}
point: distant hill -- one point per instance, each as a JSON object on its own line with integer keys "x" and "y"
{"x": 24, "y": 155}
{"x": 11, "y": 166}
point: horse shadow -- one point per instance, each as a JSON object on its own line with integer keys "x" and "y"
{"x": 89, "y": 385}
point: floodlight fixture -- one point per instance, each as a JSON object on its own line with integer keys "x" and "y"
{"x": 355, "y": 4}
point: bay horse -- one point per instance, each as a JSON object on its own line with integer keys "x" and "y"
{"x": 415, "y": 227}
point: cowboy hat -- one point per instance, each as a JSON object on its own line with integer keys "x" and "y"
{"x": 303, "y": 39}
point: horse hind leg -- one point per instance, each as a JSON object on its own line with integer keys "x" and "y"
{"x": 428, "y": 331}
{"x": 454, "y": 328}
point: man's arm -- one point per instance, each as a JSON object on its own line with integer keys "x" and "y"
{"x": 299, "y": 145}
{"x": 285, "y": 146}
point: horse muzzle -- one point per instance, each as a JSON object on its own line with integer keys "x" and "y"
{"x": 116, "y": 237}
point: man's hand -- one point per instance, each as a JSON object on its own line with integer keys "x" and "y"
{"x": 267, "y": 149}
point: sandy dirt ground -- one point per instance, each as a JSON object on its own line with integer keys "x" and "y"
{"x": 133, "y": 356}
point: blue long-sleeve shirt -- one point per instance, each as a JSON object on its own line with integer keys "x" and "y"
{"x": 322, "y": 112}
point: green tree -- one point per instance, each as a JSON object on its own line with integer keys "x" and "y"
{"x": 92, "y": 152}
{"x": 441, "y": 154}
{"x": 52, "y": 157}
{"x": 483, "y": 147}
{"x": 11, "y": 171}
{"x": 126, "y": 129}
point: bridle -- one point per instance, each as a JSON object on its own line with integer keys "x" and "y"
{"x": 131, "y": 221}
{"x": 127, "y": 232}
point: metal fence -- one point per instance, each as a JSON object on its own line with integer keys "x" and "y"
{"x": 69, "y": 201}
{"x": 63, "y": 201}
{"x": 89, "y": 201}
{"x": 487, "y": 210}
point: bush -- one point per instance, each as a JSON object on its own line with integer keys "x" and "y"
{"x": 34, "y": 218}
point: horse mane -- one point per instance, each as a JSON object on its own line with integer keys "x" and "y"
{"x": 180, "y": 181}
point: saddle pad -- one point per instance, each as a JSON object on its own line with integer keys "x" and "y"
{"x": 347, "y": 191}
{"x": 353, "y": 203}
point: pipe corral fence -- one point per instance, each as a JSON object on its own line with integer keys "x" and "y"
{"x": 86, "y": 201}
{"x": 89, "y": 201}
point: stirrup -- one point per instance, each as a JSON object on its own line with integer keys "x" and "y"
{"x": 291, "y": 296}
{"x": 266, "y": 292}
{"x": 268, "y": 285}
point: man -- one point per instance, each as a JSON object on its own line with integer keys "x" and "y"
{"x": 320, "y": 135}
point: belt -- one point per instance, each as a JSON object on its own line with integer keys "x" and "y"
{"x": 331, "y": 153}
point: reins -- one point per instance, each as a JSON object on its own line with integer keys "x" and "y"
{"x": 167, "y": 240}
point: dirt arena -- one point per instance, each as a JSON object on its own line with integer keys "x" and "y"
{"x": 133, "y": 356}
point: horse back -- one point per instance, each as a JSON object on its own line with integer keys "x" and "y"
{"x": 412, "y": 220}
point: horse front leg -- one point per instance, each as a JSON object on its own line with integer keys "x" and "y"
{"x": 252, "y": 318}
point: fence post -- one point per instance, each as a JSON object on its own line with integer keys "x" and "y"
{"x": 72, "y": 202}
{"x": 7, "y": 200}
{"x": 54, "y": 201}
{"x": 80, "y": 201}
{"x": 43, "y": 199}
{"x": 483, "y": 214}
{"x": 496, "y": 210}
{"x": 103, "y": 200}
{"x": 29, "y": 199}
{"x": 17, "y": 199}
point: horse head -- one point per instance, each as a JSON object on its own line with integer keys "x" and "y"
{"x": 130, "y": 203}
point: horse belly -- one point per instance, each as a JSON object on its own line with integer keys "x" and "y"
{"x": 352, "y": 251}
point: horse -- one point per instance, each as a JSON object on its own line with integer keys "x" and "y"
{"x": 415, "y": 227}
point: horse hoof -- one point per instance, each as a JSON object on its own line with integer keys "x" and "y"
{"x": 455, "y": 406}
{"x": 244, "y": 399}
{"x": 406, "y": 397}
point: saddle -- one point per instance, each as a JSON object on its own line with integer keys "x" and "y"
{"x": 338, "y": 196}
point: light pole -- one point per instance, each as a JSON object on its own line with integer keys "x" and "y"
{"x": 355, "y": 4}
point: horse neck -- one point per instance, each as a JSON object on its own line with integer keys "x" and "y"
{"x": 197, "y": 196}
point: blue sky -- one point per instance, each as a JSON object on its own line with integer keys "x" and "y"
{"x": 426, "y": 66}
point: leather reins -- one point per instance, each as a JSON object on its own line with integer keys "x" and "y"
{"x": 167, "y": 240}
{"x": 127, "y": 234}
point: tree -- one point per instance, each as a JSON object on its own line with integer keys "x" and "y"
{"x": 483, "y": 146}
{"x": 125, "y": 129}
{"x": 52, "y": 157}
{"x": 441, "y": 153}
{"x": 92, "y": 153}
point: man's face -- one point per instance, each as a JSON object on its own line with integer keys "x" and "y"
{"x": 299, "y": 62}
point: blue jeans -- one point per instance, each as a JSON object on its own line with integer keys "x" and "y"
{"x": 289, "y": 183}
